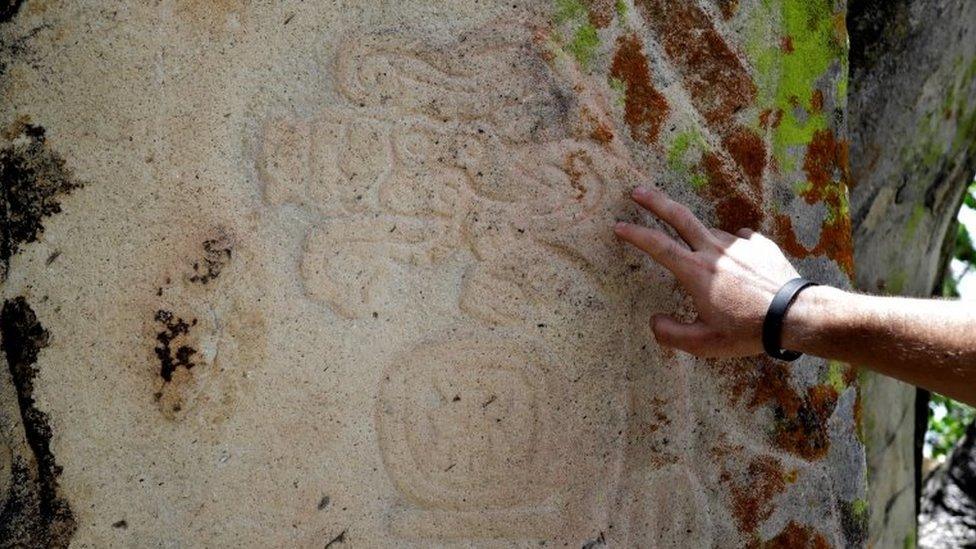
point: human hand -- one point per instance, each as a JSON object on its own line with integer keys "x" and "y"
{"x": 731, "y": 278}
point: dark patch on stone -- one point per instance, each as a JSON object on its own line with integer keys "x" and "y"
{"x": 596, "y": 543}
{"x": 948, "y": 502}
{"x": 8, "y": 9}
{"x": 341, "y": 538}
{"x": 34, "y": 515}
{"x": 121, "y": 525}
{"x": 171, "y": 355}
{"x": 879, "y": 29}
{"x": 32, "y": 179}
{"x": 216, "y": 256}
{"x": 854, "y": 524}
{"x": 323, "y": 503}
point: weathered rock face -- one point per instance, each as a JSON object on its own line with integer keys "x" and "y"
{"x": 947, "y": 512}
{"x": 913, "y": 152}
{"x": 343, "y": 274}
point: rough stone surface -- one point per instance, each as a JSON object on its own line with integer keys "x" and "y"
{"x": 947, "y": 516}
{"x": 913, "y": 152}
{"x": 341, "y": 274}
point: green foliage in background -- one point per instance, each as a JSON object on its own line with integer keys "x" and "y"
{"x": 945, "y": 429}
{"x": 964, "y": 250}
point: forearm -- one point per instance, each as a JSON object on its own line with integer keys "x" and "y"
{"x": 930, "y": 343}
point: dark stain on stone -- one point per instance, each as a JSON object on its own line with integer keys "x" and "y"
{"x": 35, "y": 514}
{"x": 879, "y": 29}
{"x": 341, "y": 538}
{"x": 323, "y": 503}
{"x": 801, "y": 419}
{"x": 216, "y": 255}
{"x": 9, "y": 9}
{"x": 170, "y": 353}
{"x": 32, "y": 179}
{"x": 854, "y": 523}
{"x": 121, "y": 525}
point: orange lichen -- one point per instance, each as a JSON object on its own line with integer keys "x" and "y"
{"x": 786, "y": 44}
{"x": 827, "y": 168}
{"x": 599, "y": 130}
{"x": 835, "y": 241}
{"x": 575, "y": 173}
{"x": 801, "y": 418}
{"x": 749, "y": 152}
{"x": 600, "y": 12}
{"x": 752, "y": 491}
{"x": 734, "y": 208}
{"x": 795, "y": 536}
{"x": 719, "y": 83}
{"x": 817, "y": 101}
{"x": 601, "y": 134}
{"x": 770, "y": 118}
{"x": 645, "y": 108}
{"x": 805, "y": 433}
{"x": 728, "y": 8}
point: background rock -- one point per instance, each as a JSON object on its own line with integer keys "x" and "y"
{"x": 913, "y": 153}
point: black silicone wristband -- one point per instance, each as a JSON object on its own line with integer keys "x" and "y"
{"x": 772, "y": 331}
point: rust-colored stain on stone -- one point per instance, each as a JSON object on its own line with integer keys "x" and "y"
{"x": 796, "y": 536}
{"x": 719, "y": 83}
{"x": 645, "y": 108}
{"x": 720, "y": 87}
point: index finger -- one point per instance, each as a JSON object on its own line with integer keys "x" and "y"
{"x": 688, "y": 226}
{"x": 661, "y": 247}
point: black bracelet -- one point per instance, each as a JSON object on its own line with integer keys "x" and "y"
{"x": 772, "y": 331}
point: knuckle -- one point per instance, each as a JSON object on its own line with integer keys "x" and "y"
{"x": 683, "y": 214}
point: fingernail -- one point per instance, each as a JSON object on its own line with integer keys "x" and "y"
{"x": 640, "y": 191}
{"x": 619, "y": 226}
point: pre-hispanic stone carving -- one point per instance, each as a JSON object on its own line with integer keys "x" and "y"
{"x": 364, "y": 289}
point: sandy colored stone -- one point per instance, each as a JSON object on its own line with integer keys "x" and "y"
{"x": 342, "y": 273}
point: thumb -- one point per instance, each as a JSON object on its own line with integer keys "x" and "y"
{"x": 694, "y": 338}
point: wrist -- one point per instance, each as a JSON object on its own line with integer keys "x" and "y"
{"x": 811, "y": 316}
